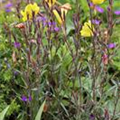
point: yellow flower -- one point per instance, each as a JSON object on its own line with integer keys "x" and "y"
{"x": 97, "y": 1}
{"x": 57, "y": 15}
{"x": 61, "y": 14}
{"x": 50, "y": 2}
{"x": 29, "y": 10}
{"x": 87, "y": 29}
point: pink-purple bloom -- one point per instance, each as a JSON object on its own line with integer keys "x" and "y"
{"x": 117, "y": 12}
{"x": 43, "y": 20}
{"x": 30, "y": 98}
{"x": 97, "y": 8}
{"x": 51, "y": 24}
{"x": 95, "y": 21}
{"x": 8, "y": 10}
{"x": 111, "y": 45}
{"x": 25, "y": 99}
{"x": 44, "y": 23}
{"x": 17, "y": 45}
{"x": 39, "y": 19}
{"x": 56, "y": 29}
{"x": 92, "y": 117}
{"x": 105, "y": 59}
{"x": 8, "y": 7}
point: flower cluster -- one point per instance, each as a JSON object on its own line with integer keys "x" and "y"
{"x": 8, "y": 7}
{"x": 31, "y": 10}
{"x": 88, "y": 27}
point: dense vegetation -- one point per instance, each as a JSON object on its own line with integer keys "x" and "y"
{"x": 59, "y": 60}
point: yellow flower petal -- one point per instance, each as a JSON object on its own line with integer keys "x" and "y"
{"x": 62, "y": 12}
{"x": 29, "y": 9}
{"x": 57, "y": 16}
{"x": 22, "y": 13}
{"x": 50, "y": 2}
{"x": 35, "y": 8}
{"x": 97, "y": 1}
{"x": 87, "y": 29}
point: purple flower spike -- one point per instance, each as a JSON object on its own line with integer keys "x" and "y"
{"x": 30, "y": 98}
{"x": 8, "y": 5}
{"x": 17, "y": 45}
{"x": 24, "y": 98}
{"x": 92, "y": 117}
{"x": 8, "y": 10}
{"x": 43, "y": 19}
{"x": 117, "y": 12}
{"x": 111, "y": 45}
{"x": 49, "y": 23}
{"x": 99, "y": 9}
{"x": 39, "y": 19}
{"x": 53, "y": 23}
{"x": 97, "y": 22}
{"x": 44, "y": 23}
{"x": 56, "y": 29}
{"x": 91, "y": 4}
{"x": 16, "y": 73}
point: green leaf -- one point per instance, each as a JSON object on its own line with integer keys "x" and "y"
{"x": 64, "y": 109}
{"x": 39, "y": 114}
{"x": 7, "y": 75}
{"x": 84, "y": 6}
{"x": 3, "y": 113}
{"x": 66, "y": 60}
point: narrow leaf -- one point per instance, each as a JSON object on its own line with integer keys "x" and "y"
{"x": 3, "y": 113}
{"x": 39, "y": 114}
